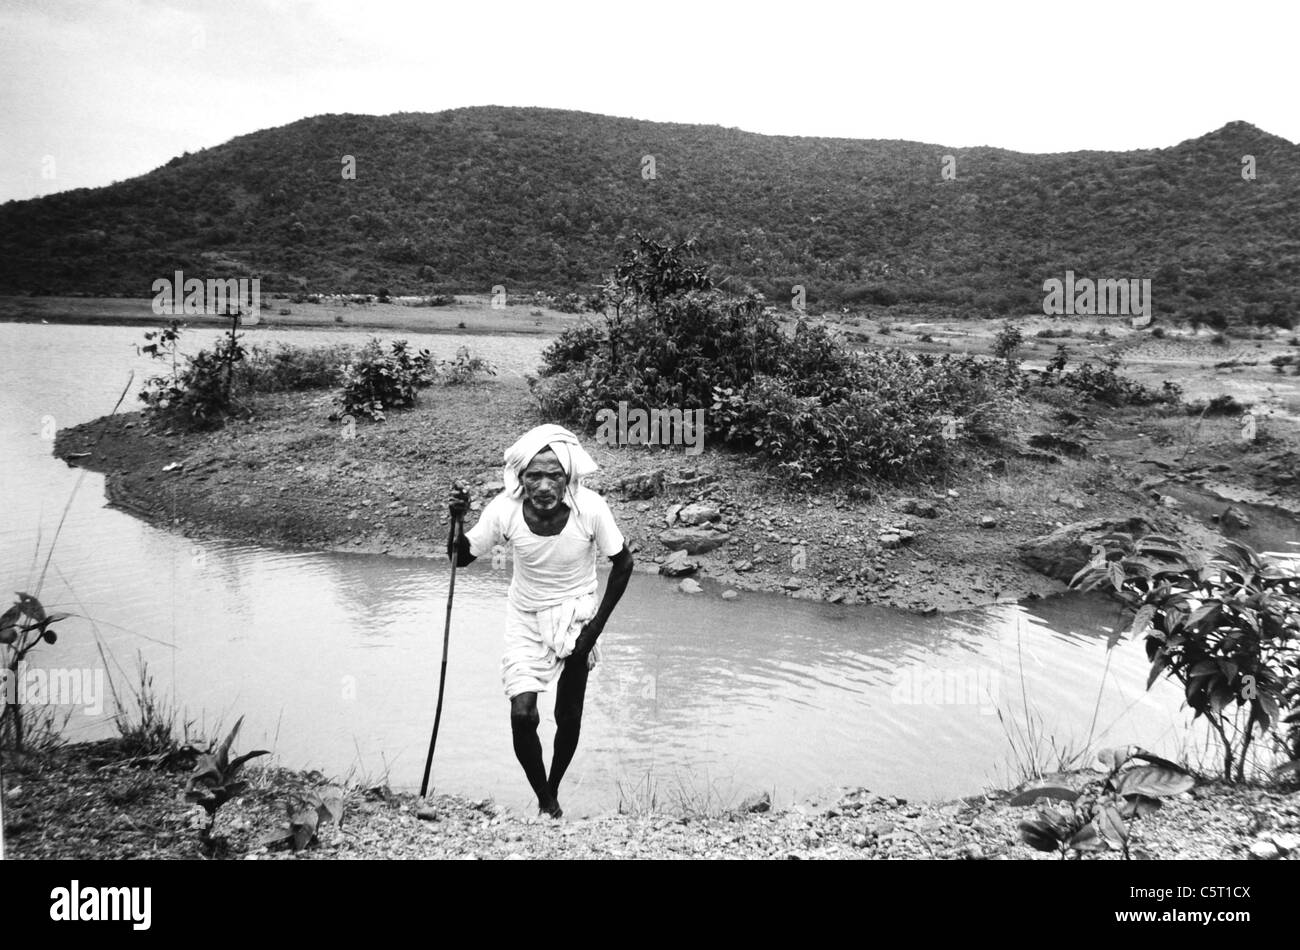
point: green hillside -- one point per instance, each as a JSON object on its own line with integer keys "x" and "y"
{"x": 533, "y": 199}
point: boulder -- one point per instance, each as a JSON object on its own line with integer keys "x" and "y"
{"x": 1234, "y": 517}
{"x": 678, "y": 564}
{"x": 693, "y": 540}
{"x": 642, "y": 484}
{"x": 756, "y": 803}
{"x": 1064, "y": 552}
{"x": 698, "y": 513}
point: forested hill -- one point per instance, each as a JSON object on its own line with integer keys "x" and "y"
{"x": 540, "y": 199}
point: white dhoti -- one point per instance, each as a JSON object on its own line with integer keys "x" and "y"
{"x": 538, "y": 642}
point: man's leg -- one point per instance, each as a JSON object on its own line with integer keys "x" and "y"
{"x": 569, "y": 696}
{"x": 528, "y": 749}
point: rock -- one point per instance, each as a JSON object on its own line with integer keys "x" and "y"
{"x": 689, "y": 586}
{"x": 693, "y": 540}
{"x": 1264, "y": 851}
{"x": 426, "y": 812}
{"x": 1286, "y": 841}
{"x": 642, "y": 484}
{"x": 988, "y": 521}
{"x": 919, "y": 507}
{"x": 729, "y": 595}
{"x": 792, "y": 583}
{"x": 1169, "y": 501}
{"x": 759, "y": 802}
{"x": 1234, "y": 517}
{"x": 905, "y": 536}
{"x": 1058, "y": 444}
{"x": 890, "y": 541}
{"x": 698, "y": 513}
{"x": 670, "y": 516}
{"x": 1062, "y": 553}
{"x": 493, "y": 487}
{"x": 861, "y": 841}
{"x": 742, "y": 566}
{"x": 678, "y": 564}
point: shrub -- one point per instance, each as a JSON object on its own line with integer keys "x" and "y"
{"x": 805, "y": 401}
{"x": 464, "y": 368}
{"x": 375, "y": 382}
{"x": 288, "y": 368}
{"x": 1221, "y": 405}
{"x": 200, "y": 394}
{"x": 1106, "y": 385}
{"x": 1007, "y": 342}
{"x": 1228, "y": 630}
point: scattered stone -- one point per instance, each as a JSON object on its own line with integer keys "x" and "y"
{"x": 670, "y": 516}
{"x": 426, "y": 812}
{"x": 689, "y": 586}
{"x": 988, "y": 521}
{"x": 729, "y": 594}
{"x": 793, "y": 583}
{"x": 890, "y": 541}
{"x": 860, "y": 841}
{"x": 743, "y": 566}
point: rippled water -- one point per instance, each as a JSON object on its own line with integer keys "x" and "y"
{"x": 333, "y": 658}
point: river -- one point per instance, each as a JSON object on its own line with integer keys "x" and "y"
{"x": 333, "y": 659}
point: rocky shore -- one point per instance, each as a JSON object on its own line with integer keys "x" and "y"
{"x": 93, "y": 801}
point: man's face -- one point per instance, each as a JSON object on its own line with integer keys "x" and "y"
{"x": 544, "y": 481}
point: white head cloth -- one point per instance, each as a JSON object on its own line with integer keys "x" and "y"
{"x": 572, "y": 456}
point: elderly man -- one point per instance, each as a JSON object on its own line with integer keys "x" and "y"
{"x": 555, "y": 526}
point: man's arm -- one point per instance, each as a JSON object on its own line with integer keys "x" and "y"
{"x": 614, "y": 588}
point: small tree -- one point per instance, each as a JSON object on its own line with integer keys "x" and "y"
{"x": 1227, "y": 631}
{"x": 1007, "y": 342}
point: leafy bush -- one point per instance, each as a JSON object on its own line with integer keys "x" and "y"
{"x": 214, "y": 780}
{"x": 375, "y": 382}
{"x": 464, "y": 368}
{"x": 199, "y": 394}
{"x": 804, "y": 401}
{"x": 1221, "y": 405}
{"x": 288, "y": 368}
{"x": 1228, "y": 631}
{"x": 877, "y": 415}
{"x": 1106, "y": 385}
{"x": 1101, "y": 814}
{"x": 1007, "y": 342}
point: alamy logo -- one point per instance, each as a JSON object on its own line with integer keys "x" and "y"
{"x": 103, "y": 903}
{"x": 1109, "y": 297}
{"x": 189, "y": 296}
{"x": 35, "y": 686}
{"x": 655, "y": 427}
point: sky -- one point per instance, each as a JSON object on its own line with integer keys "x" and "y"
{"x": 97, "y": 91}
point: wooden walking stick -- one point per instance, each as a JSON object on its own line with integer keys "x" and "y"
{"x": 457, "y": 527}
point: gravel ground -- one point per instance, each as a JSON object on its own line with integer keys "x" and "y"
{"x": 90, "y": 801}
